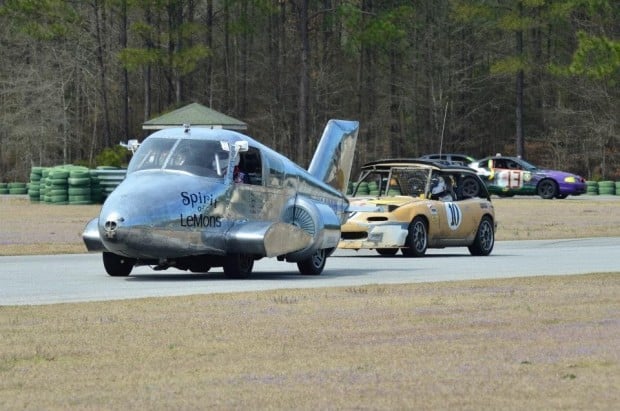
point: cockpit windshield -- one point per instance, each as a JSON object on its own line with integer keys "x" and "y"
{"x": 199, "y": 157}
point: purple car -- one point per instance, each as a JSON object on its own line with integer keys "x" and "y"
{"x": 508, "y": 176}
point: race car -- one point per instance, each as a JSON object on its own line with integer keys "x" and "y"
{"x": 509, "y": 176}
{"x": 412, "y": 205}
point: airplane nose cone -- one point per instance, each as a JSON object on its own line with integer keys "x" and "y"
{"x": 146, "y": 215}
{"x": 110, "y": 227}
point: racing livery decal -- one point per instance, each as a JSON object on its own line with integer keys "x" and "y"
{"x": 454, "y": 215}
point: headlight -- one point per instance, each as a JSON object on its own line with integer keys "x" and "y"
{"x": 570, "y": 179}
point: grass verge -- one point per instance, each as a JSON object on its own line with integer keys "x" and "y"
{"x": 526, "y": 343}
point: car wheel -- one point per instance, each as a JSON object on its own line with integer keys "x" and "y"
{"x": 561, "y": 196}
{"x": 238, "y": 265}
{"x": 547, "y": 189}
{"x": 417, "y": 239}
{"x": 387, "y": 251}
{"x": 470, "y": 188}
{"x": 117, "y": 265}
{"x": 313, "y": 265}
{"x": 485, "y": 238}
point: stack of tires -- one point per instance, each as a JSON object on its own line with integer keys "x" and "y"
{"x": 4, "y": 188}
{"x": 606, "y": 188}
{"x": 591, "y": 188}
{"x": 34, "y": 188}
{"x": 54, "y": 186}
{"x": 109, "y": 178}
{"x": 373, "y": 188}
{"x": 17, "y": 188}
{"x": 362, "y": 189}
{"x": 71, "y": 184}
{"x": 96, "y": 192}
{"x": 79, "y": 186}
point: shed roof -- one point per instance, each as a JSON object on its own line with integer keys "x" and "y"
{"x": 196, "y": 115}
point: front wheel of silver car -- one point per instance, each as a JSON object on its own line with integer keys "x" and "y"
{"x": 117, "y": 265}
{"x": 485, "y": 238}
{"x": 417, "y": 239}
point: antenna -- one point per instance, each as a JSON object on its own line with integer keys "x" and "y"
{"x": 443, "y": 127}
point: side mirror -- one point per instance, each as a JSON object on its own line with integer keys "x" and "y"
{"x": 241, "y": 146}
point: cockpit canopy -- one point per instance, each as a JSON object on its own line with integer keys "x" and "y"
{"x": 204, "y": 158}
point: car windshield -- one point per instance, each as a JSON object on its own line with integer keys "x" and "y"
{"x": 199, "y": 157}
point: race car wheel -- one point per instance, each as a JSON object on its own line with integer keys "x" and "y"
{"x": 485, "y": 238}
{"x": 387, "y": 251}
{"x": 313, "y": 265}
{"x": 417, "y": 239}
{"x": 547, "y": 189}
{"x": 469, "y": 188}
{"x": 117, "y": 265}
{"x": 238, "y": 265}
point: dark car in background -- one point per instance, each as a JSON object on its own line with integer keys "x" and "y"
{"x": 449, "y": 159}
{"x": 508, "y": 176}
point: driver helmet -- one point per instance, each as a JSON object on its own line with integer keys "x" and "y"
{"x": 438, "y": 185}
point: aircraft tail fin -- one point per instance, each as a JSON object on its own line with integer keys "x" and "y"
{"x": 333, "y": 157}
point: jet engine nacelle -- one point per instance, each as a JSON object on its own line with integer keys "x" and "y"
{"x": 316, "y": 219}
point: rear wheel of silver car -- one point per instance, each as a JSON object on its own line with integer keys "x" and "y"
{"x": 238, "y": 265}
{"x": 417, "y": 239}
{"x": 547, "y": 189}
{"x": 485, "y": 238}
{"x": 117, "y": 265}
{"x": 313, "y": 265}
{"x": 387, "y": 251}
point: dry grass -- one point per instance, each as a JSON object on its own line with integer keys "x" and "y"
{"x": 527, "y": 343}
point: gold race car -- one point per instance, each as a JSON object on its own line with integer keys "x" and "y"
{"x": 413, "y": 205}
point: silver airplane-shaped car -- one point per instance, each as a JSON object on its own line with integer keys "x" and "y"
{"x": 196, "y": 198}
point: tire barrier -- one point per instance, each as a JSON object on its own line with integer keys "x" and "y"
{"x": 592, "y": 188}
{"x": 17, "y": 188}
{"x": 68, "y": 184}
{"x": 605, "y": 187}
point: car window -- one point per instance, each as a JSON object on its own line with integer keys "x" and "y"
{"x": 412, "y": 181}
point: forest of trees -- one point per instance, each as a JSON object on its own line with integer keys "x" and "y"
{"x": 536, "y": 78}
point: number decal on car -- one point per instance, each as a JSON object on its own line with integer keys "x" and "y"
{"x": 454, "y": 215}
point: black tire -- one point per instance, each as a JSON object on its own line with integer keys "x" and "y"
{"x": 417, "y": 239}
{"x": 485, "y": 238}
{"x": 561, "y": 196}
{"x": 387, "y": 251}
{"x": 117, "y": 265}
{"x": 469, "y": 188}
{"x": 238, "y": 265}
{"x": 547, "y": 189}
{"x": 313, "y": 265}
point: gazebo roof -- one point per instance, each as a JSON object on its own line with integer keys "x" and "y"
{"x": 196, "y": 115}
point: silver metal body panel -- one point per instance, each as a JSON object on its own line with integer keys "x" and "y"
{"x": 180, "y": 198}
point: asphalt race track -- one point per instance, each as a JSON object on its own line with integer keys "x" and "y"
{"x": 81, "y": 277}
